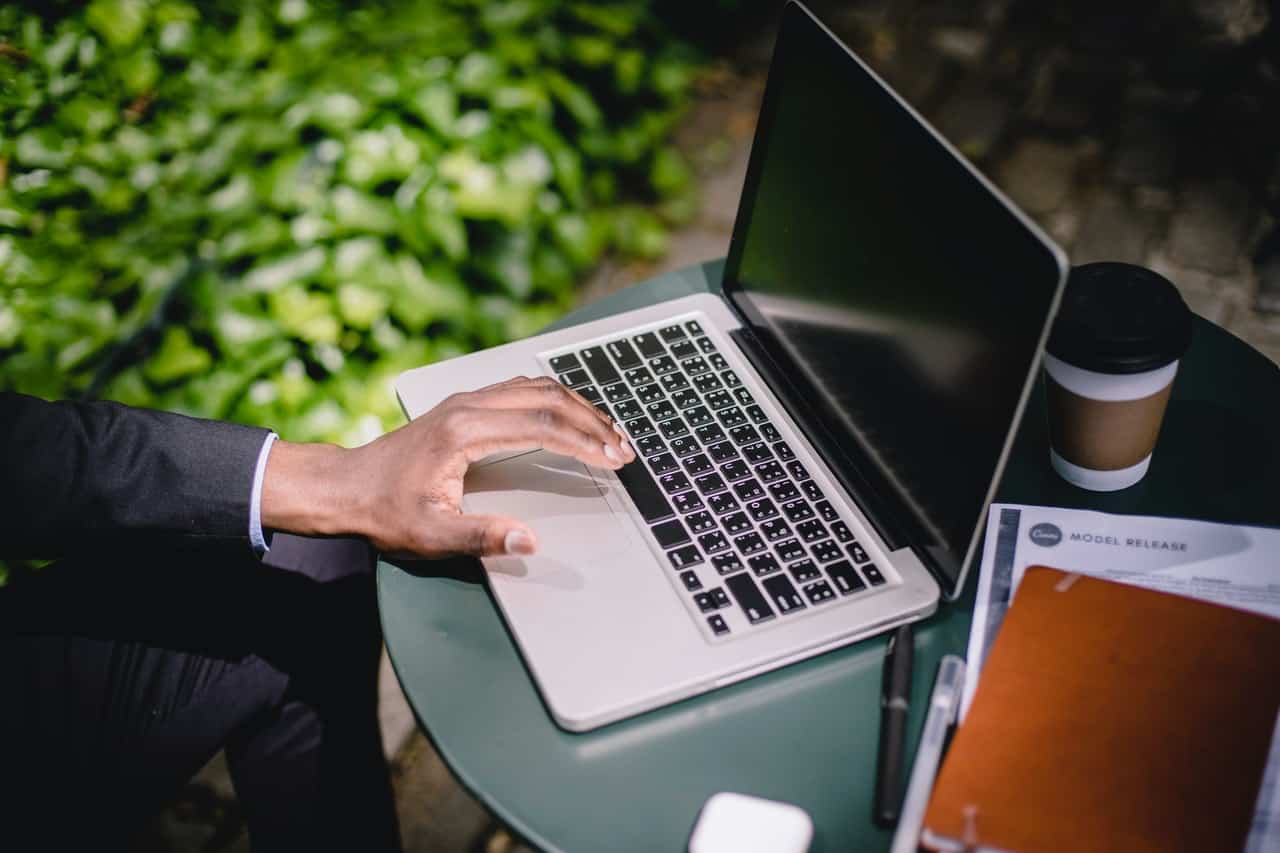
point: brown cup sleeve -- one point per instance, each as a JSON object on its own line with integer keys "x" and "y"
{"x": 1103, "y": 435}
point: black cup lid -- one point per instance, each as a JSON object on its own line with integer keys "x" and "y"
{"x": 1120, "y": 318}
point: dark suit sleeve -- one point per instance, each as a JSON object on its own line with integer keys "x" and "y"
{"x": 79, "y": 475}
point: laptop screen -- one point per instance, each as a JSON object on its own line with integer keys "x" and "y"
{"x": 902, "y": 298}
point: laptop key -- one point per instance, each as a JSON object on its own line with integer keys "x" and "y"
{"x": 684, "y": 349}
{"x": 845, "y": 578}
{"x": 748, "y": 596}
{"x": 797, "y": 510}
{"x": 708, "y": 433}
{"x": 674, "y": 382}
{"x": 662, "y": 463}
{"x": 638, "y": 427}
{"x": 683, "y": 446}
{"x": 841, "y": 531}
{"x": 757, "y": 452}
{"x": 811, "y": 530}
{"x": 762, "y": 509}
{"x": 574, "y": 378}
{"x": 617, "y": 393}
{"x": 661, "y": 410}
{"x": 670, "y": 533}
{"x": 701, "y": 522}
{"x": 857, "y": 552}
{"x": 671, "y": 333}
{"x": 717, "y": 361}
{"x": 819, "y": 592}
{"x": 650, "y": 445}
{"x": 561, "y": 363}
{"x": 756, "y": 414}
{"x": 873, "y": 574}
{"x": 709, "y": 600}
{"x": 598, "y": 363}
{"x": 663, "y": 365}
{"x": 728, "y": 377}
{"x": 684, "y": 557}
{"x": 749, "y": 543}
{"x": 722, "y": 503}
{"x": 707, "y": 382}
{"x": 673, "y": 428}
{"x": 649, "y": 345}
{"x": 797, "y": 470}
{"x": 735, "y": 470}
{"x": 804, "y": 571}
{"x": 638, "y": 376}
{"x": 686, "y": 399}
{"x": 698, "y": 416}
{"x": 745, "y": 434}
{"x": 690, "y": 581}
{"x": 770, "y": 471}
{"x": 789, "y": 550}
{"x": 713, "y": 542}
{"x": 627, "y": 409}
{"x": 784, "y": 595}
{"x": 695, "y": 366}
{"x": 707, "y": 345}
{"x": 694, "y": 327}
{"x": 784, "y": 491}
{"x": 697, "y": 464}
{"x": 624, "y": 354}
{"x": 827, "y": 511}
{"x": 784, "y": 451}
{"x": 718, "y": 625}
{"x": 649, "y": 394}
{"x": 726, "y": 563}
{"x": 731, "y": 417}
{"x": 644, "y": 492}
{"x": 825, "y": 551}
{"x": 687, "y": 502}
{"x": 590, "y": 393}
{"x": 722, "y": 451}
{"x": 709, "y": 483}
{"x": 811, "y": 490}
{"x": 775, "y": 529}
{"x": 749, "y": 490}
{"x": 737, "y": 523}
{"x": 674, "y": 482}
{"x": 763, "y": 564}
{"x": 744, "y": 398}
{"x": 718, "y": 399}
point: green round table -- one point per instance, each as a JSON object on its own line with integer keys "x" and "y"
{"x": 806, "y": 734}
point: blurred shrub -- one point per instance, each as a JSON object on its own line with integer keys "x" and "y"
{"x": 263, "y": 212}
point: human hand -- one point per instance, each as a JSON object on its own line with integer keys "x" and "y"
{"x": 403, "y": 491}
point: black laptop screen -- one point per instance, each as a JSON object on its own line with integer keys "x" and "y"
{"x": 905, "y": 298}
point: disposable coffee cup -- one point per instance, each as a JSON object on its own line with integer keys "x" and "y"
{"x": 1109, "y": 368}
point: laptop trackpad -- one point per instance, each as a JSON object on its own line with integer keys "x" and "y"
{"x": 557, "y": 497}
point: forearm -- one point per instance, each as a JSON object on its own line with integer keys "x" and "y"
{"x": 310, "y": 489}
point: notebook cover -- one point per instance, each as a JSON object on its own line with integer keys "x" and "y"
{"x": 1111, "y": 717}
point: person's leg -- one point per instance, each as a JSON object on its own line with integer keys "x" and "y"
{"x": 119, "y": 683}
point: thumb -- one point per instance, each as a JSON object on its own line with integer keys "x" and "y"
{"x": 487, "y": 536}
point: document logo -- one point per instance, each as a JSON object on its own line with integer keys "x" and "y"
{"x": 1046, "y": 534}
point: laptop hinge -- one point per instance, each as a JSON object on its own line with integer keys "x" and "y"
{"x": 839, "y": 456}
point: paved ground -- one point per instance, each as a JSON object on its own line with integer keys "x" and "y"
{"x": 1104, "y": 158}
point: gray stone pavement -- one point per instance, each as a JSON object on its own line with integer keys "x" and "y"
{"x": 1109, "y": 187}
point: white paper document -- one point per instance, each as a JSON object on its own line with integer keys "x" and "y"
{"x": 1224, "y": 563}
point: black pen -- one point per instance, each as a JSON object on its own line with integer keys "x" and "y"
{"x": 895, "y": 702}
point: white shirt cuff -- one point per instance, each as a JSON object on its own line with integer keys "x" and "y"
{"x": 256, "y": 538}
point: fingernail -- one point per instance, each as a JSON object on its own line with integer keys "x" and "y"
{"x": 518, "y": 542}
{"x": 611, "y": 454}
{"x": 626, "y": 447}
{"x": 617, "y": 427}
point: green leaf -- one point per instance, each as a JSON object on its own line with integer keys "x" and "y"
{"x": 178, "y": 357}
{"x": 120, "y": 22}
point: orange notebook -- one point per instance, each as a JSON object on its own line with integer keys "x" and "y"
{"x": 1111, "y": 717}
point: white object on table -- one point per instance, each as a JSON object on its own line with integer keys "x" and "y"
{"x": 739, "y": 823}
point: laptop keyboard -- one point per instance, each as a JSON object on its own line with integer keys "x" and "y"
{"x": 715, "y": 481}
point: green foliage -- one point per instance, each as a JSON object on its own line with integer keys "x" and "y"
{"x": 264, "y": 211}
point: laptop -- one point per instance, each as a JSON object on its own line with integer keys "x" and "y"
{"x": 817, "y": 444}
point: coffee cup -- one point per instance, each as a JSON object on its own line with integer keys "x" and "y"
{"x": 1109, "y": 368}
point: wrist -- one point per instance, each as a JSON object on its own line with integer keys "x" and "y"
{"x": 307, "y": 490}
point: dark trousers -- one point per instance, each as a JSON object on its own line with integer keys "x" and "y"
{"x": 121, "y": 677}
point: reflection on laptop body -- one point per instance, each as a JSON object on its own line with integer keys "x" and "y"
{"x": 817, "y": 445}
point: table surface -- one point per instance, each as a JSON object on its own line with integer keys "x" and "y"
{"x": 806, "y": 734}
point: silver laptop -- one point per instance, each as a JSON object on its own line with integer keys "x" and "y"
{"x": 817, "y": 444}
